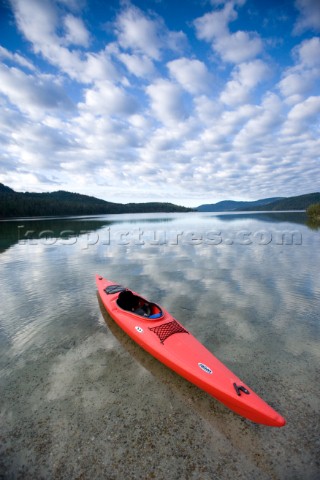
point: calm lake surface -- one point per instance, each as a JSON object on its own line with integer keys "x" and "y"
{"x": 80, "y": 400}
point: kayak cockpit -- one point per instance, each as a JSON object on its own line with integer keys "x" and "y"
{"x": 130, "y": 302}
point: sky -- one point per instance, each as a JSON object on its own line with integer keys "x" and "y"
{"x": 188, "y": 102}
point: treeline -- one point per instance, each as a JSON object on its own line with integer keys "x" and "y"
{"x": 300, "y": 202}
{"x": 18, "y": 204}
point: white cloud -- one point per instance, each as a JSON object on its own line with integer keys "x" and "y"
{"x": 167, "y": 101}
{"x": 206, "y": 109}
{"x": 105, "y": 98}
{"x": 215, "y": 24}
{"x": 140, "y": 122}
{"x": 174, "y": 41}
{"x": 136, "y": 32}
{"x": 309, "y": 18}
{"x": 36, "y": 154}
{"x": 309, "y": 109}
{"x": 96, "y": 67}
{"x": 40, "y": 23}
{"x": 299, "y": 80}
{"x": 308, "y": 52}
{"x": 296, "y": 84}
{"x": 34, "y": 95}
{"x": 220, "y": 130}
{"x": 144, "y": 35}
{"x": 35, "y": 147}
{"x": 238, "y": 47}
{"x": 147, "y": 108}
{"x": 246, "y": 76}
{"x": 77, "y": 33}
{"x": 139, "y": 65}
{"x": 37, "y": 19}
{"x": 260, "y": 130}
{"x": 301, "y": 115}
{"x": 102, "y": 142}
{"x": 16, "y": 58}
{"x": 193, "y": 75}
{"x": 82, "y": 67}
{"x": 234, "y": 47}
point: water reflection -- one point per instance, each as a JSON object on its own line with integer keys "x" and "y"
{"x": 42, "y": 230}
{"x": 299, "y": 218}
{"x": 254, "y": 305}
{"x": 313, "y": 224}
{"x": 158, "y": 228}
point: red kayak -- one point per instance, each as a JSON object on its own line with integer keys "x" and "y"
{"x": 155, "y": 330}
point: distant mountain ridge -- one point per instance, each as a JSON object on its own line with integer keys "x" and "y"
{"x": 233, "y": 205}
{"x": 300, "y": 202}
{"x": 32, "y": 204}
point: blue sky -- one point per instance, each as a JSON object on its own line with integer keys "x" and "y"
{"x": 189, "y": 102}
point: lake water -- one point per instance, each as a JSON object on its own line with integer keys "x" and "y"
{"x": 80, "y": 400}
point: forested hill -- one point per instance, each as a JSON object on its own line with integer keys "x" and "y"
{"x": 300, "y": 202}
{"x": 18, "y": 204}
{"x": 233, "y": 205}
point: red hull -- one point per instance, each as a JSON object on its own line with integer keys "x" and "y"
{"x": 168, "y": 341}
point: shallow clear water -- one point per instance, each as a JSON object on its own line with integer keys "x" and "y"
{"x": 81, "y": 400}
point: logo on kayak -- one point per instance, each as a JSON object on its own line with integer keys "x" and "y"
{"x": 139, "y": 329}
{"x": 205, "y": 368}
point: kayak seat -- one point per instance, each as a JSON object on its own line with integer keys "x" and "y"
{"x": 135, "y": 304}
{"x": 127, "y": 300}
{"x": 155, "y": 315}
{"x": 155, "y": 311}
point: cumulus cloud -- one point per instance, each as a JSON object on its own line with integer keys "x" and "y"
{"x": 105, "y": 98}
{"x": 30, "y": 151}
{"x": 137, "y": 32}
{"x": 16, "y": 58}
{"x": 192, "y": 75}
{"x": 246, "y": 77}
{"x": 215, "y": 24}
{"x": 295, "y": 85}
{"x": 139, "y": 65}
{"x": 298, "y": 81}
{"x": 37, "y": 20}
{"x": 41, "y": 23}
{"x": 145, "y": 36}
{"x": 76, "y": 32}
{"x": 232, "y": 47}
{"x": 302, "y": 115}
{"x": 308, "y": 52}
{"x": 166, "y": 101}
{"x": 309, "y": 109}
{"x": 238, "y": 47}
{"x": 260, "y": 129}
{"x": 206, "y": 108}
{"x": 309, "y": 18}
{"x": 217, "y": 135}
{"x": 34, "y": 95}
{"x": 145, "y": 105}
